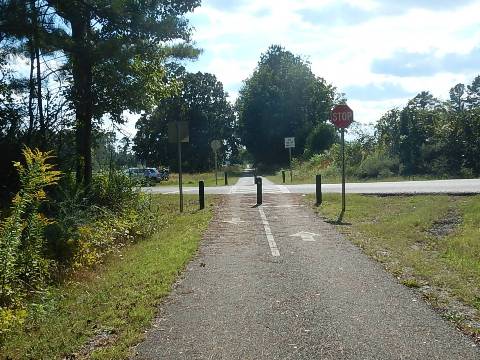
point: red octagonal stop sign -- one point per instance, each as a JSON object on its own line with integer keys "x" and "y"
{"x": 342, "y": 116}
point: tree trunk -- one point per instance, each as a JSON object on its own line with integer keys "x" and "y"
{"x": 31, "y": 85}
{"x": 82, "y": 93}
{"x": 36, "y": 47}
{"x": 43, "y": 134}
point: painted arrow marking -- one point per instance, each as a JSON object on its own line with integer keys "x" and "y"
{"x": 306, "y": 236}
{"x": 234, "y": 221}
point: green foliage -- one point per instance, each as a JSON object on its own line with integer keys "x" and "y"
{"x": 119, "y": 299}
{"x": 377, "y": 165}
{"x": 23, "y": 265}
{"x": 282, "y": 98}
{"x": 108, "y": 232}
{"x": 431, "y": 137}
{"x": 102, "y": 53}
{"x": 114, "y": 191}
{"x": 202, "y": 102}
{"x": 91, "y": 224}
{"x": 321, "y": 138}
{"x": 35, "y": 250}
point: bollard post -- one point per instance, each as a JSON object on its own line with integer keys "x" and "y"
{"x": 283, "y": 176}
{"x": 318, "y": 189}
{"x": 226, "y": 178}
{"x": 259, "y": 191}
{"x": 201, "y": 194}
{"x": 291, "y": 175}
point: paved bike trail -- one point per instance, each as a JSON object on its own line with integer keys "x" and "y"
{"x": 254, "y": 291}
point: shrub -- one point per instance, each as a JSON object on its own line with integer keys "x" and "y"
{"x": 321, "y": 138}
{"x": 377, "y": 165}
{"x": 109, "y": 231}
{"x": 113, "y": 190}
{"x": 23, "y": 265}
{"x": 90, "y": 225}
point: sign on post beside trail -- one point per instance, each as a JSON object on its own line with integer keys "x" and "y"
{"x": 178, "y": 134}
{"x": 342, "y": 116}
{"x": 180, "y": 127}
{"x": 289, "y": 142}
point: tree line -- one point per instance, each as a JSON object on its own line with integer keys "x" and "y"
{"x": 282, "y": 98}
{"x": 69, "y": 70}
{"x": 86, "y": 61}
{"x": 430, "y": 136}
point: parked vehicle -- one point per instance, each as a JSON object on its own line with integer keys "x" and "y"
{"x": 149, "y": 174}
{"x": 152, "y": 174}
{"x": 164, "y": 174}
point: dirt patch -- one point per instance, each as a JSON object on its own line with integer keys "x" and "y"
{"x": 101, "y": 339}
{"x": 446, "y": 225}
{"x": 465, "y": 318}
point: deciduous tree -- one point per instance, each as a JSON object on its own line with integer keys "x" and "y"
{"x": 202, "y": 102}
{"x": 282, "y": 98}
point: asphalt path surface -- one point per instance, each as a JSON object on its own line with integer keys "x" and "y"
{"x": 456, "y": 186}
{"x": 277, "y": 282}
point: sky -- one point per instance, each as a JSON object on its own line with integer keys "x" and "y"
{"x": 380, "y": 53}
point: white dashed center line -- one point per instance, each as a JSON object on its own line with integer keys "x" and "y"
{"x": 268, "y": 232}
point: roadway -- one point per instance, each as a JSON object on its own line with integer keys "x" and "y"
{"x": 246, "y": 186}
{"x": 277, "y": 282}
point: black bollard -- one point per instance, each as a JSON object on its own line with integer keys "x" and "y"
{"x": 283, "y": 176}
{"x": 201, "y": 194}
{"x": 226, "y": 178}
{"x": 259, "y": 191}
{"x": 318, "y": 189}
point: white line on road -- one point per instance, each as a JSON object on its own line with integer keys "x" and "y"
{"x": 268, "y": 232}
{"x": 282, "y": 206}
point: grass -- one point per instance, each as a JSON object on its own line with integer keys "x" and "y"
{"x": 113, "y": 305}
{"x": 398, "y": 231}
{"x": 308, "y": 177}
{"x": 208, "y": 178}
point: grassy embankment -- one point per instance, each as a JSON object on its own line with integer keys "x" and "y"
{"x": 101, "y": 313}
{"x": 208, "y": 178}
{"x": 428, "y": 242}
{"x": 307, "y": 176}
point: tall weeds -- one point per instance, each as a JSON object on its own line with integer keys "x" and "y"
{"x": 23, "y": 267}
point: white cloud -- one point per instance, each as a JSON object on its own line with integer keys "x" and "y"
{"x": 343, "y": 55}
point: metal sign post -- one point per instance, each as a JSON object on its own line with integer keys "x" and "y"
{"x": 343, "y": 169}
{"x": 178, "y": 133}
{"x": 291, "y": 173}
{"x": 216, "y": 145}
{"x": 180, "y": 182}
{"x": 216, "y": 169}
{"x": 342, "y": 117}
{"x": 289, "y": 144}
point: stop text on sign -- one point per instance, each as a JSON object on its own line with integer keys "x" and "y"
{"x": 342, "y": 116}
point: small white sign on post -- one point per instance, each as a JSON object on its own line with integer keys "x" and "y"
{"x": 289, "y": 142}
